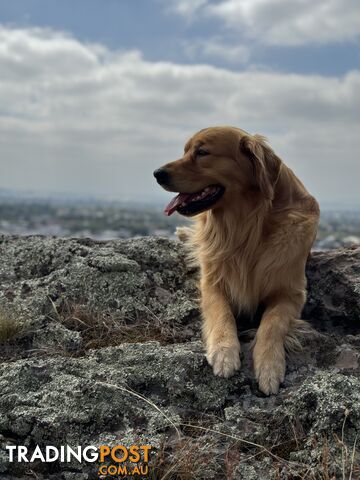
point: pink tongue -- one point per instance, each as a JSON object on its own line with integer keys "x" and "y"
{"x": 176, "y": 202}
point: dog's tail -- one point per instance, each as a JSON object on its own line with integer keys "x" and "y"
{"x": 184, "y": 234}
{"x": 299, "y": 334}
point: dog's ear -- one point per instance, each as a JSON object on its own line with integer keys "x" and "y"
{"x": 266, "y": 165}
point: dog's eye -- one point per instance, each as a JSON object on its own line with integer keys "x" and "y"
{"x": 201, "y": 152}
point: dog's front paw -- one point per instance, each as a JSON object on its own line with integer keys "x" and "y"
{"x": 225, "y": 360}
{"x": 269, "y": 366}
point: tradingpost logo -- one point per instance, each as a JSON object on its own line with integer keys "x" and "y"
{"x": 118, "y": 460}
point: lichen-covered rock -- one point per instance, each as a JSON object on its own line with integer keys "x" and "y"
{"x": 56, "y": 389}
{"x": 142, "y": 280}
{"x": 327, "y": 407}
{"x": 334, "y": 289}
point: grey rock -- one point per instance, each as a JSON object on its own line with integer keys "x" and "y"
{"x": 54, "y": 390}
{"x": 334, "y": 289}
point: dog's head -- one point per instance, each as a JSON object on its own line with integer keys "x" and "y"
{"x": 218, "y": 165}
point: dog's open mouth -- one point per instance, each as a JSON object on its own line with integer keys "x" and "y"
{"x": 192, "y": 203}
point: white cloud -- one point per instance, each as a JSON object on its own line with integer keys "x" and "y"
{"x": 215, "y": 47}
{"x": 284, "y": 22}
{"x": 75, "y": 116}
{"x": 185, "y": 7}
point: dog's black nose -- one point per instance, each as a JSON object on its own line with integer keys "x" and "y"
{"x": 162, "y": 176}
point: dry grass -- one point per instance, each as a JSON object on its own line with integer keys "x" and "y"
{"x": 10, "y": 327}
{"x": 103, "y": 329}
{"x": 11, "y": 335}
{"x": 202, "y": 449}
{"x": 350, "y": 457}
{"x": 187, "y": 459}
{"x": 190, "y": 457}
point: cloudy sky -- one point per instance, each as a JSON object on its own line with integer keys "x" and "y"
{"x": 94, "y": 94}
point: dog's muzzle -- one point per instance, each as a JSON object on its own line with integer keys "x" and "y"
{"x": 162, "y": 176}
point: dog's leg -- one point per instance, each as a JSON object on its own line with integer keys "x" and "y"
{"x": 269, "y": 350}
{"x": 219, "y": 331}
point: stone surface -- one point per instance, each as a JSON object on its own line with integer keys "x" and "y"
{"x": 54, "y": 390}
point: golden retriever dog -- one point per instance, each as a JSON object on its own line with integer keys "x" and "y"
{"x": 254, "y": 227}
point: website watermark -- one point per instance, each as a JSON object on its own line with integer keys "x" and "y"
{"x": 118, "y": 460}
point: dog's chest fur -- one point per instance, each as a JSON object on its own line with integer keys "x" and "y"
{"x": 244, "y": 281}
{"x": 237, "y": 281}
{"x": 248, "y": 266}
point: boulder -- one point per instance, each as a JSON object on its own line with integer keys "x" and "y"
{"x": 107, "y": 350}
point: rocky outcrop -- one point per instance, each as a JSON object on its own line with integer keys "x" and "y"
{"x": 108, "y": 351}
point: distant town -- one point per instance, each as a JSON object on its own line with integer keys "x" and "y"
{"x": 104, "y": 220}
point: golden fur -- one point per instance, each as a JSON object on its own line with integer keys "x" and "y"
{"x": 252, "y": 246}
